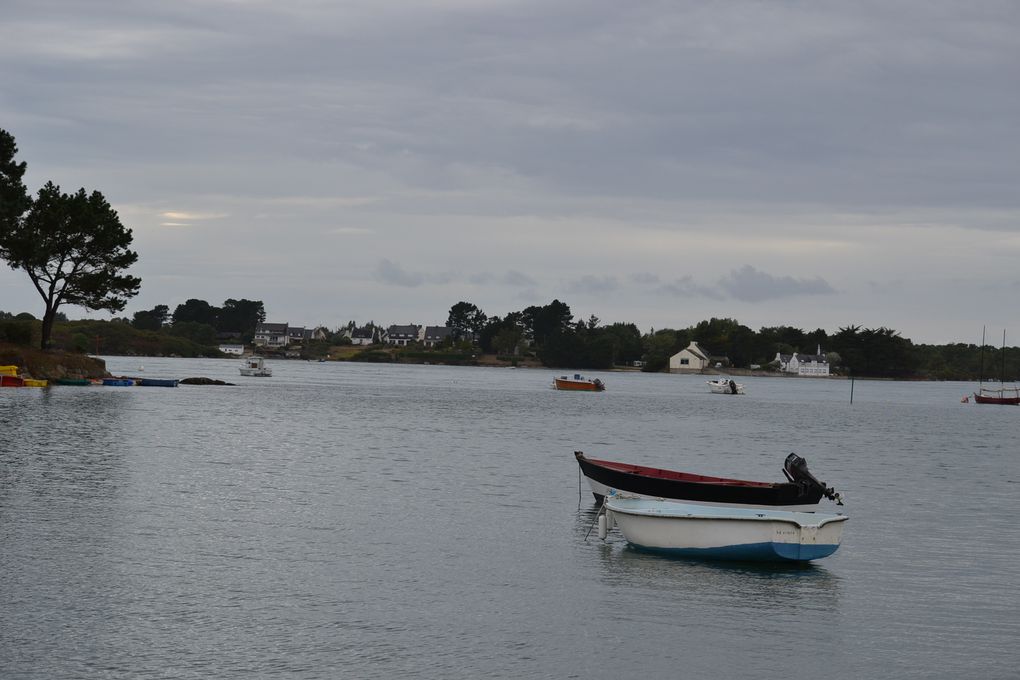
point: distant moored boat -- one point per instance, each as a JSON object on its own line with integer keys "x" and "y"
{"x": 578, "y": 383}
{"x": 255, "y": 366}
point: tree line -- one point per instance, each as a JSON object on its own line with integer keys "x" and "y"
{"x": 556, "y": 339}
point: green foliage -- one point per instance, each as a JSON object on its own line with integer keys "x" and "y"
{"x": 373, "y": 356}
{"x": 466, "y": 320}
{"x": 80, "y": 342}
{"x": 876, "y": 352}
{"x": 542, "y": 322}
{"x": 240, "y": 316}
{"x": 16, "y": 332}
{"x": 151, "y": 320}
{"x": 505, "y": 336}
{"x": 107, "y": 337}
{"x": 14, "y": 198}
{"x": 440, "y": 357}
{"x": 196, "y": 311}
{"x": 659, "y": 346}
{"x": 198, "y": 333}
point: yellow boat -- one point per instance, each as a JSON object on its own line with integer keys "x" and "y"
{"x": 9, "y": 370}
{"x": 32, "y": 382}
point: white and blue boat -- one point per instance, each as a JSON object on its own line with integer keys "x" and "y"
{"x": 723, "y": 532}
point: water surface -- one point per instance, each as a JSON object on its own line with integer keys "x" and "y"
{"x": 425, "y": 521}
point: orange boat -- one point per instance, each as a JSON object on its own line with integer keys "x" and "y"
{"x": 578, "y": 383}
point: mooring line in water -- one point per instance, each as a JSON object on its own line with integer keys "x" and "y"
{"x": 601, "y": 508}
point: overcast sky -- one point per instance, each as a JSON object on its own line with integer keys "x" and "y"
{"x": 814, "y": 164}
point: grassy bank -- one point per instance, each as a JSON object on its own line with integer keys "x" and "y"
{"x": 35, "y": 363}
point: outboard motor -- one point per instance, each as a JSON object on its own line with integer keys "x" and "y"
{"x": 796, "y": 470}
{"x": 733, "y": 387}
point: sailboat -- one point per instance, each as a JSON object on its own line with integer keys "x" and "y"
{"x": 1003, "y": 395}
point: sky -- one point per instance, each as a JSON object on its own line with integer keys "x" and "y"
{"x": 779, "y": 162}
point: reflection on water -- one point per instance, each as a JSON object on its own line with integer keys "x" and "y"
{"x": 392, "y": 521}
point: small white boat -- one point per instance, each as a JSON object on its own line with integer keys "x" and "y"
{"x": 725, "y": 533}
{"x": 255, "y": 366}
{"x": 725, "y": 386}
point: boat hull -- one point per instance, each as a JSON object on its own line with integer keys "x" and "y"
{"x": 578, "y": 385}
{"x": 11, "y": 381}
{"x": 725, "y": 533}
{"x": 1002, "y": 401}
{"x": 725, "y": 388}
{"x": 605, "y": 476}
{"x": 157, "y": 382}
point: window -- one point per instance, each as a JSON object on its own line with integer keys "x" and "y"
{"x": 685, "y": 362}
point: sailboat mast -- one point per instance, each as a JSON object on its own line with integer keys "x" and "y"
{"x": 1002, "y": 371}
{"x": 981, "y": 374}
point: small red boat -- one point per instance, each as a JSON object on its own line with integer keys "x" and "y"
{"x": 578, "y": 383}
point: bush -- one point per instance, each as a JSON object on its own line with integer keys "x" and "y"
{"x": 80, "y": 342}
{"x": 16, "y": 332}
{"x": 655, "y": 364}
{"x": 373, "y": 356}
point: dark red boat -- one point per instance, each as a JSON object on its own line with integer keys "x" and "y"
{"x": 1007, "y": 396}
{"x": 802, "y": 489}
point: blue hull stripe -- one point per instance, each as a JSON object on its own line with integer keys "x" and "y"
{"x": 752, "y": 552}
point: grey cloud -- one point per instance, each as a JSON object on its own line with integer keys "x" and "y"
{"x": 509, "y": 278}
{"x": 483, "y": 279}
{"x": 751, "y": 285}
{"x": 645, "y": 278}
{"x": 529, "y": 295}
{"x": 393, "y": 274}
{"x": 687, "y": 287}
{"x": 516, "y": 278}
{"x": 593, "y": 285}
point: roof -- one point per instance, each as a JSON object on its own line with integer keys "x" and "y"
{"x": 271, "y": 328}
{"x": 410, "y": 330}
{"x": 438, "y": 331}
{"x": 695, "y": 349}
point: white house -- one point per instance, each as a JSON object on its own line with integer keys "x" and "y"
{"x": 690, "y": 358}
{"x": 804, "y": 364}
{"x": 271, "y": 335}
{"x": 232, "y": 349}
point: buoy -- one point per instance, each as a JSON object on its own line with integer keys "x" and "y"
{"x": 602, "y": 527}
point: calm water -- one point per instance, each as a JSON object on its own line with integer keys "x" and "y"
{"x": 360, "y": 521}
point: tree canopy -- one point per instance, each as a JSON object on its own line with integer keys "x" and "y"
{"x": 72, "y": 246}
{"x": 466, "y": 320}
{"x": 14, "y": 198}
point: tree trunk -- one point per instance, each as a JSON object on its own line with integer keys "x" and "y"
{"x": 47, "y": 326}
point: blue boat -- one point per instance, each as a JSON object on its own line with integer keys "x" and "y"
{"x": 158, "y": 382}
{"x": 118, "y": 382}
{"x": 723, "y": 532}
